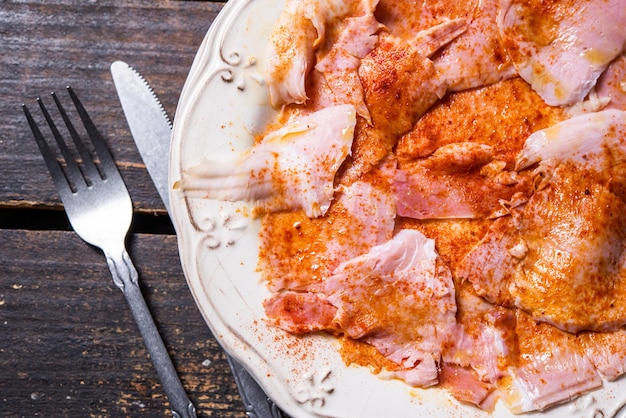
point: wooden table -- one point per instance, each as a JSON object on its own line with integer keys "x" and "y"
{"x": 68, "y": 344}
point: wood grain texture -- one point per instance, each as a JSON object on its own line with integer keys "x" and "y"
{"x": 46, "y": 45}
{"x": 69, "y": 345}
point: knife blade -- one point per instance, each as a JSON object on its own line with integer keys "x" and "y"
{"x": 151, "y": 129}
{"x": 149, "y": 124}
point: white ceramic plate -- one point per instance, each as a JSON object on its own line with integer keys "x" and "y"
{"x": 223, "y": 105}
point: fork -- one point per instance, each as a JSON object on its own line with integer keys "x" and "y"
{"x": 99, "y": 209}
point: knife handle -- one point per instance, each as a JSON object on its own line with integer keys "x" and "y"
{"x": 257, "y": 403}
{"x": 126, "y": 278}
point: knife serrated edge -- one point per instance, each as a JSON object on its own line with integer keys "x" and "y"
{"x": 154, "y": 96}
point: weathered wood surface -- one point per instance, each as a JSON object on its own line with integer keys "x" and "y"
{"x": 68, "y": 344}
{"x": 46, "y": 45}
{"x": 70, "y": 347}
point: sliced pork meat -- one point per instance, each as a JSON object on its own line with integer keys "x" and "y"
{"x": 485, "y": 339}
{"x": 369, "y": 298}
{"x": 529, "y": 365}
{"x": 459, "y": 180}
{"x": 465, "y": 386}
{"x": 430, "y": 40}
{"x": 291, "y": 54}
{"x": 291, "y": 168}
{"x": 573, "y": 273}
{"x": 298, "y": 253}
{"x": 501, "y": 116}
{"x": 300, "y": 32}
{"x": 300, "y": 312}
{"x": 338, "y": 68}
{"x": 376, "y": 292}
{"x": 606, "y": 351}
{"x": 561, "y": 256}
{"x": 477, "y": 57}
{"x": 562, "y": 47}
{"x": 609, "y": 92}
{"x": 506, "y": 354}
{"x": 551, "y": 368}
{"x": 611, "y": 86}
{"x": 596, "y": 140}
{"x": 400, "y": 84}
{"x": 491, "y": 266}
{"x": 405, "y": 18}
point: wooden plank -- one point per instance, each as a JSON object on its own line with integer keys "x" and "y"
{"x": 48, "y": 44}
{"x": 69, "y": 346}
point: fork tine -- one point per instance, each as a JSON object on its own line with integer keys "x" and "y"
{"x": 58, "y": 176}
{"x": 72, "y": 171}
{"x": 102, "y": 150}
{"x": 91, "y": 171}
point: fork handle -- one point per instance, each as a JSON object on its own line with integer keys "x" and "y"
{"x": 126, "y": 278}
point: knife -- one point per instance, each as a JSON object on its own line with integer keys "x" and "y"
{"x": 151, "y": 129}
